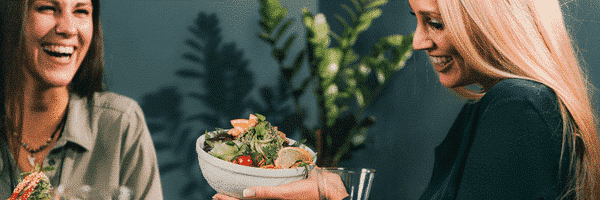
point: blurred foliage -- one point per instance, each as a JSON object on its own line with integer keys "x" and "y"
{"x": 224, "y": 84}
{"x": 346, "y": 83}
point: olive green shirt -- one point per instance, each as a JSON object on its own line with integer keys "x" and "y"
{"x": 104, "y": 146}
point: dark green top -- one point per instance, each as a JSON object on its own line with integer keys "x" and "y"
{"x": 507, "y": 145}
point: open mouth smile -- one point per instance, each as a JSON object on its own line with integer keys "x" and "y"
{"x": 440, "y": 63}
{"x": 59, "y": 51}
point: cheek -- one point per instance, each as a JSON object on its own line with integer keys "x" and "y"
{"x": 87, "y": 30}
{"x": 39, "y": 26}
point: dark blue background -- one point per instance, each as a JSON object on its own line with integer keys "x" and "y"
{"x": 144, "y": 41}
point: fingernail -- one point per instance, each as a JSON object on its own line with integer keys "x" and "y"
{"x": 249, "y": 193}
{"x": 214, "y": 198}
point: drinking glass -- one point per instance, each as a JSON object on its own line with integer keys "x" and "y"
{"x": 357, "y": 182}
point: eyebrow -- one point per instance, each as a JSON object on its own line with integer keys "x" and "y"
{"x": 427, "y": 13}
{"x": 55, "y": 2}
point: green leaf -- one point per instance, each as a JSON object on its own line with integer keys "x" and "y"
{"x": 370, "y": 15}
{"x": 349, "y": 78}
{"x": 363, "y": 70}
{"x": 266, "y": 38}
{"x": 264, "y": 27}
{"x": 278, "y": 54}
{"x": 298, "y": 62}
{"x": 260, "y": 117}
{"x": 357, "y": 5}
{"x": 350, "y": 57}
{"x": 279, "y": 17}
{"x": 350, "y": 12}
{"x": 362, "y": 26}
{"x": 331, "y": 92}
{"x": 400, "y": 55}
{"x": 321, "y": 30}
{"x": 375, "y": 3}
{"x": 332, "y": 114}
{"x": 360, "y": 99}
{"x": 272, "y": 13}
{"x": 381, "y": 76}
{"x": 288, "y": 43}
{"x": 48, "y": 168}
{"x": 360, "y": 137}
{"x": 328, "y": 68}
{"x": 335, "y": 36}
{"x": 307, "y": 18}
{"x": 282, "y": 30}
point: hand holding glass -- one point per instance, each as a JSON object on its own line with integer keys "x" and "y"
{"x": 357, "y": 183}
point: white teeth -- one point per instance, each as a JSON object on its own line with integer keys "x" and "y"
{"x": 59, "y": 49}
{"x": 439, "y": 60}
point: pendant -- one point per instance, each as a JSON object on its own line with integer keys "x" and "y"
{"x": 31, "y": 161}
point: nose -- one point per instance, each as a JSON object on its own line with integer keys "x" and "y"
{"x": 421, "y": 40}
{"x": 66, "y": 25}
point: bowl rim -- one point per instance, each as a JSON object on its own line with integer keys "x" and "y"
{"x": 246, "y": 170}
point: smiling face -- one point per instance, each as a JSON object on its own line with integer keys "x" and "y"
{"x": 431, "y": 35}
{"x": 58, "y": 34}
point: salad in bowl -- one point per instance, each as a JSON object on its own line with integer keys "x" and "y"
{"x": 252, "y": 153}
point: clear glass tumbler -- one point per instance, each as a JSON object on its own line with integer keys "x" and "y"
{"x": 357, "y": 183}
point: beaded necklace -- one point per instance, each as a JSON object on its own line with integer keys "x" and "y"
{"x": 40, "y": 148}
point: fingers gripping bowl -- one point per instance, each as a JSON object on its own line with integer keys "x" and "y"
{"x": 232, "y": 178}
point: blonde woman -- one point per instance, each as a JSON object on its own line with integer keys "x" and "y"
{"x": 529, "y": 131}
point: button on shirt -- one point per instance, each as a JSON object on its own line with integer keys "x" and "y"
{"x": 104, "y": 146}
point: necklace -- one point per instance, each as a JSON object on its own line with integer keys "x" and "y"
{"x": 38, "y": 149}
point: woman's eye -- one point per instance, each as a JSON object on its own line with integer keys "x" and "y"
{"x": 46, "y": 9}
{"x": 436, "y": 24}
{"x": 82, "y": 11}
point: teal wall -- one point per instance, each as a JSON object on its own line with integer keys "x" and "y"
{"x": 144, "y": 43}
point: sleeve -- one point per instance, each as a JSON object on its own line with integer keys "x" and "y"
{"x": 514, "y": 155}
{"x": 139, "y": 166}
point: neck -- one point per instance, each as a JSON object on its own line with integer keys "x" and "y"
{"x": 43, "y": 109}
{"x": 48, "y": 100}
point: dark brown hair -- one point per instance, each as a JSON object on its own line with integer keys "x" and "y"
{"x": 87, "y": 80}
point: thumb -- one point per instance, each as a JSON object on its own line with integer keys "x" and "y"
{"x": 302, "y": 189}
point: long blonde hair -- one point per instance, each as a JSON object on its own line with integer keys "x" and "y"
{"x": 528, "y": 39}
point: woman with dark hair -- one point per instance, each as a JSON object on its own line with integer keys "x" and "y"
{"x": 55, "y": 110}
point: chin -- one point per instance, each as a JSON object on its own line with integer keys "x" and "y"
{"x": 449, "y": 81}
{"x": 56, "y": 79}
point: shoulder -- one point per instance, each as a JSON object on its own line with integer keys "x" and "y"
{"x": 513, "y": 97}
{"x": 540, "y": 96}
{"x": 520, "y": 89}
{"x": 107, "y": 108}
{"x": 113, "y": 101}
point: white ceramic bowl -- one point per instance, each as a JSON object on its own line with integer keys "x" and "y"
{"x": 231, "y": 179}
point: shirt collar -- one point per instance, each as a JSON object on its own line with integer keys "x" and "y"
{"x": 77, "y": 127}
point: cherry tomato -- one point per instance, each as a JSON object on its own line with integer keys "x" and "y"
{"x": 245, "y": 160}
